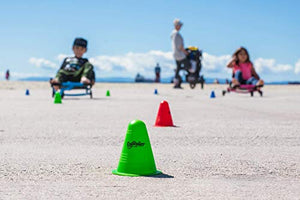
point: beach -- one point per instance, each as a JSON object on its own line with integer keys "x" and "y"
{"x": 230, "y": 147}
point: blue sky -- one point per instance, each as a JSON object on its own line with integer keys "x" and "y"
{"x": 126, "y": 37}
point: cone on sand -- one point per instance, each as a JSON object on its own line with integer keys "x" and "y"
{"x": 164, "y": 117}
{"x": 212, "y": 95}
{"x": 57, "y": 98}
{"x": 108, "y": 93}
{"x": 27, "y": 92}
{"x": 136, "y": 158}
{"x": 155, "y": 91}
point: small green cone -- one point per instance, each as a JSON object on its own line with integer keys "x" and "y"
{"x": 107, "y": 93}
{"x": 136, "y": 158}
{"x": 57, "y": 98}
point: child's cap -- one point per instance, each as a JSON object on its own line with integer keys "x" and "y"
{"x": 80, "y": 42}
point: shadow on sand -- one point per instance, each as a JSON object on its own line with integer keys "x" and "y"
{"x": 162, "y": 175}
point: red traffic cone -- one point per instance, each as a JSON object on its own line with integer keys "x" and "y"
{"x": 164, "y": 117}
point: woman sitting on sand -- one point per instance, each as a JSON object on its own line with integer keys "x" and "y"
{"x": 243, "y": 70}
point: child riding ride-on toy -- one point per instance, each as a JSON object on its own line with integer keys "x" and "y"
{"x": 244, "y": 77}
{"x": 75, "y": 72}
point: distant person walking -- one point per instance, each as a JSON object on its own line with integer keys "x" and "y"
{"x": 7, "y": 75}
{"x": 179, "y": 52}
{"x": 157, "y": 73}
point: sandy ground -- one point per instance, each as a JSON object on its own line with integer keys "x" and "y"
{"x": 232, "y": 147}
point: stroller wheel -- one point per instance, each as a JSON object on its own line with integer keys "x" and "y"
{"x": 223, "y": 92}
{"x": 192, "y": 85}
{"x": 251, "y": 93}
{"x": 91, "y": 94}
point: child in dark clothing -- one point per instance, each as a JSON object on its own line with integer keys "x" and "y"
{"x": 76, "y": 69}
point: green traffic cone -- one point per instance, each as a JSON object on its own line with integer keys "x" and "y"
{"x": 107, "y": 93}
{"x": 57, "y": 97}
{"x": 136, "y": 158}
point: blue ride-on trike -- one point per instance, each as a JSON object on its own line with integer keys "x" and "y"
{"x": 67, "y": 86}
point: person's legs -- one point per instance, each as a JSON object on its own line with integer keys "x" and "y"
{"x": 178, "y": 67}
{"x": 182, "y": 64}
{"x": 89, "y": 78}
{"x": 77, "y": 76}
{"x": 252, "y": 81}
{"x": 260, "y": 83}
{"x": 88, "y": 75}
{"x": 59, "y": 78}
{"x": 93, "y": 77}
{"x": 238, "y": 78}
{"x": 177, "y": 79}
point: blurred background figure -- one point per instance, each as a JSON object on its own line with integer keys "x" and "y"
{"x": 179, "y": 53}
{"x": 7, "y": 75}
{"x": 157, "y": 73}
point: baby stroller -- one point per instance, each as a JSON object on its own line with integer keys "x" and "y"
{"x": 193, "y": 73}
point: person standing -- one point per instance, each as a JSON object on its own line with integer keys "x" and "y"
{"x": 7, "y": 75}
{"x": 157, "y": 73}
{"x": 179, "y": 52}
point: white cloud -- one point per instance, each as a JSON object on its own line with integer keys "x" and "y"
{"x": 61, "y": 57}
{"x": 214, "y": 64}
{"x": 42, "y": 63}
{"x": 297, "y": 67}
{"x": 145, "y": 62}
{"x": 132, "y": 63}
{"x": 135, "y": 62}
{"x": 269, "y": 65}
